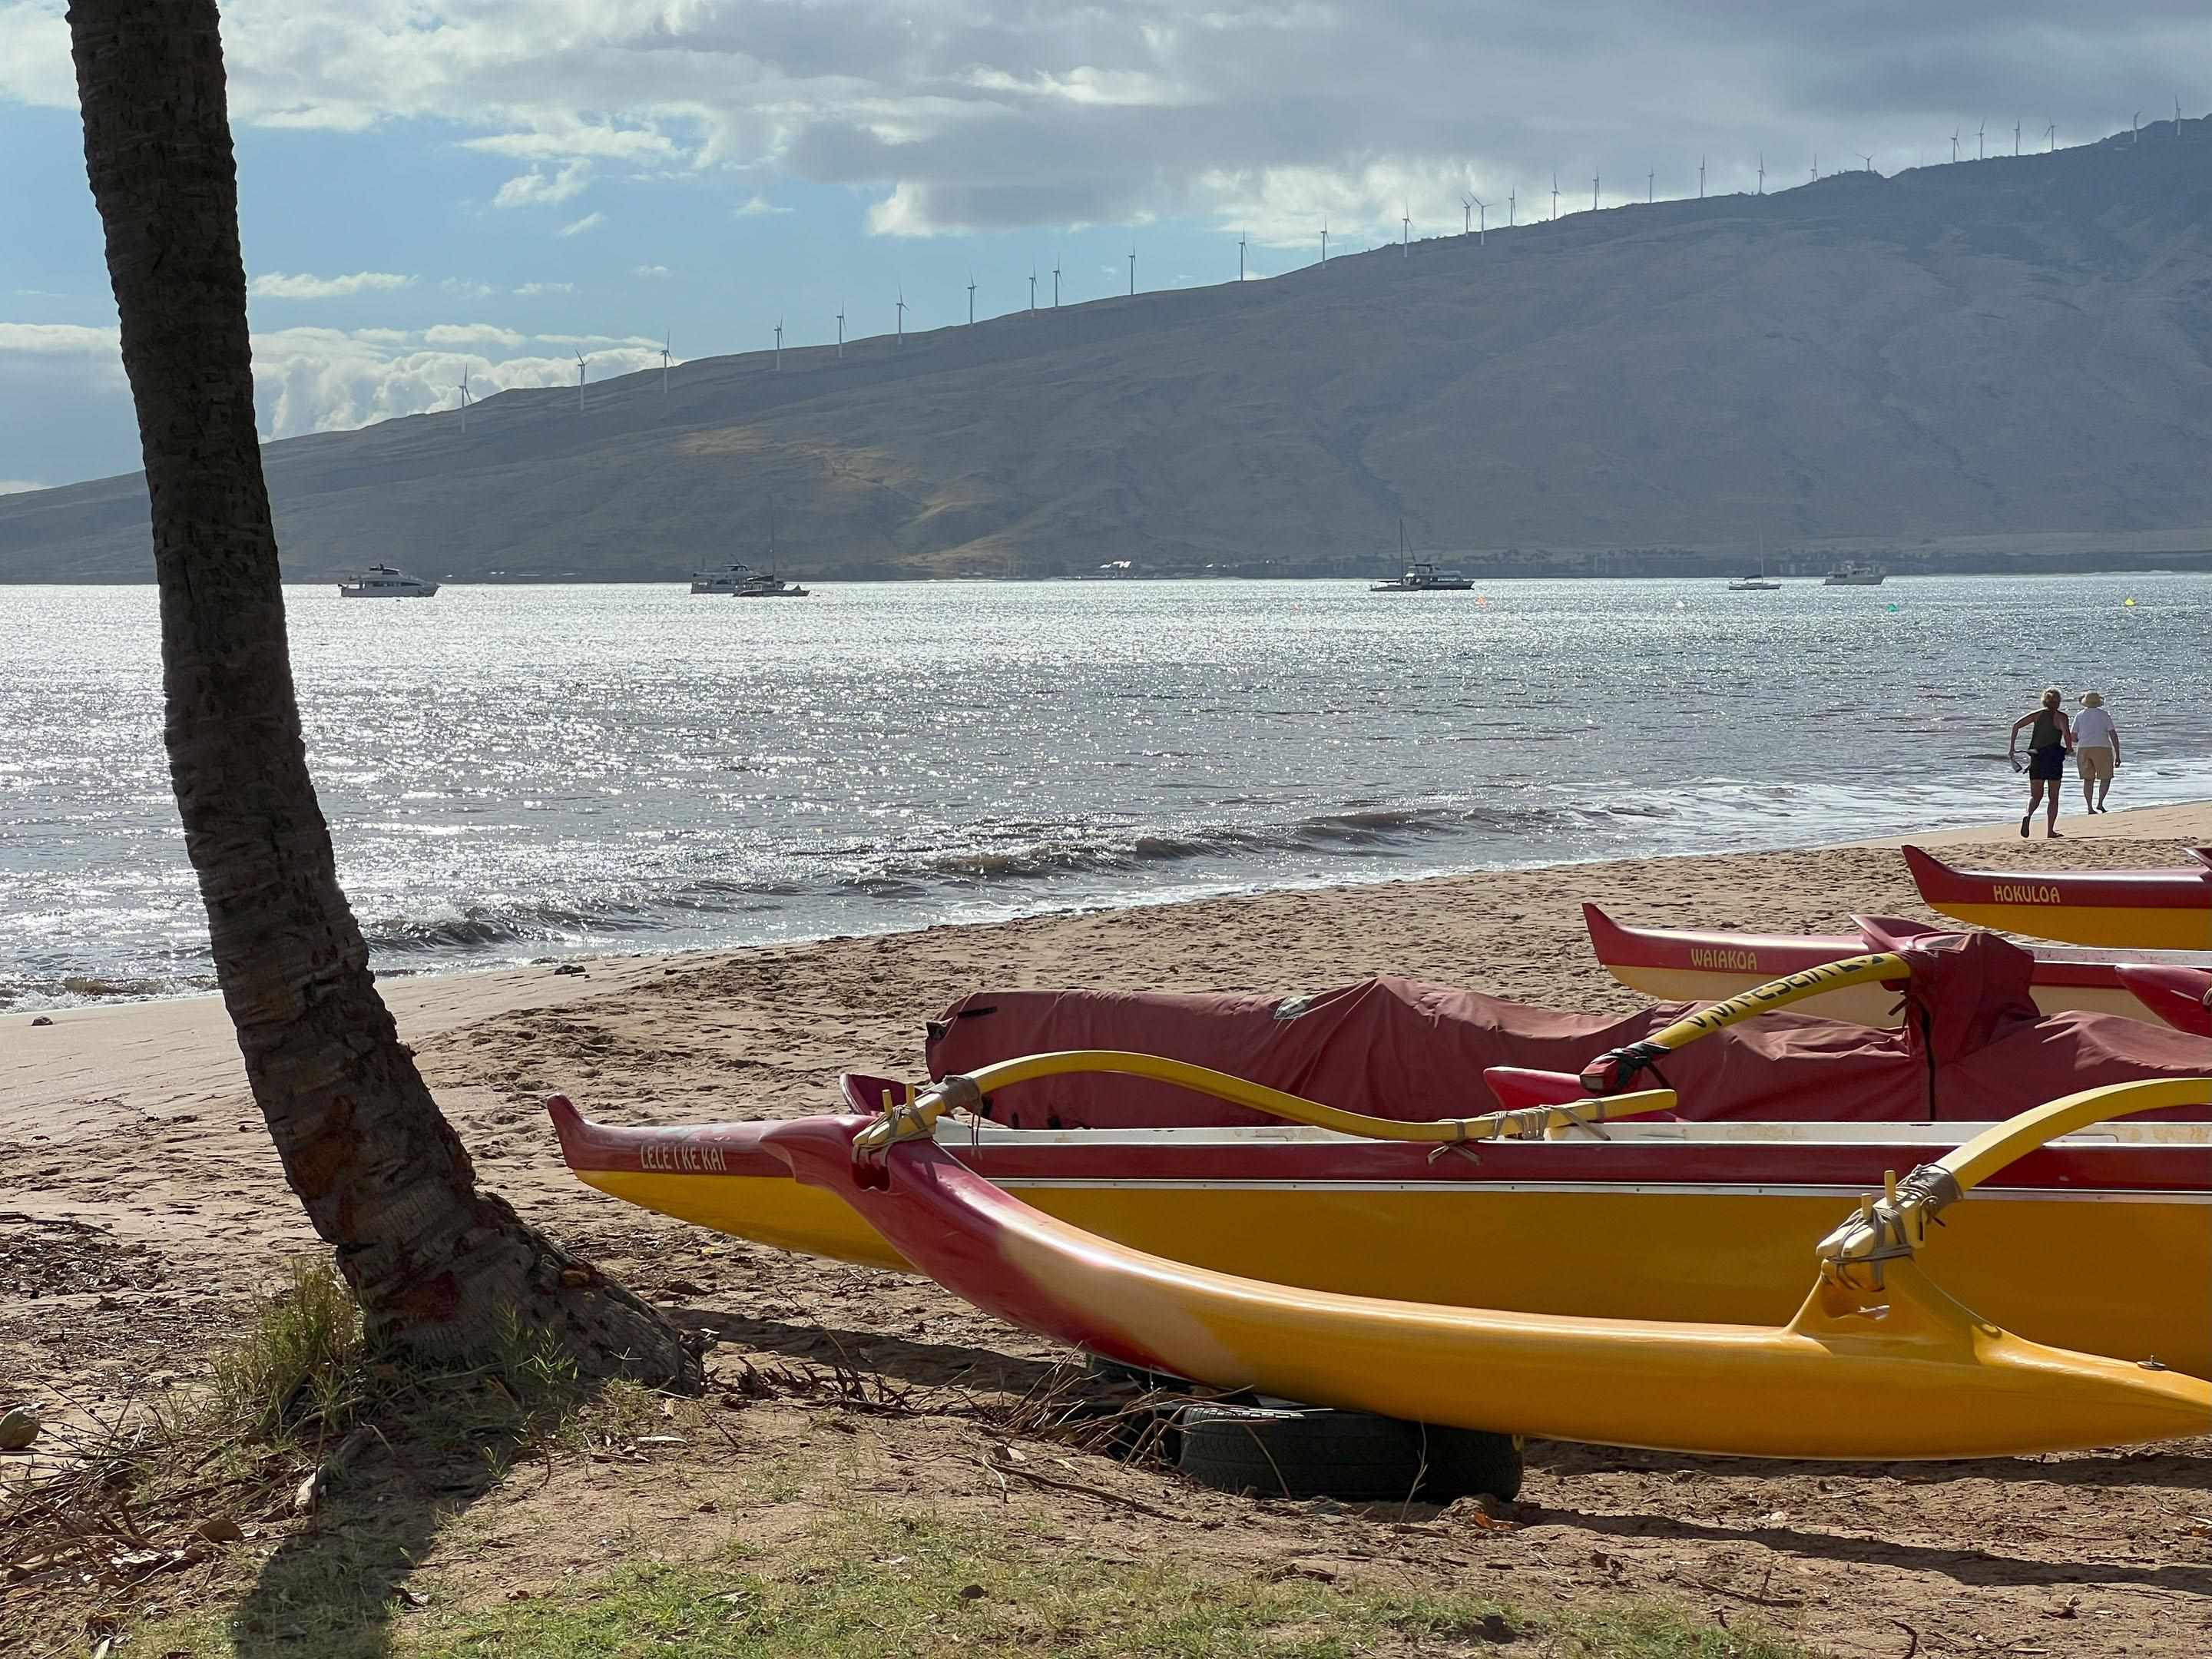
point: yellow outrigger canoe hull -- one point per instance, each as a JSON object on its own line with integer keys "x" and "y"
{"x": 1902, "y": 1370}
{"x": 2128, "y": 1275}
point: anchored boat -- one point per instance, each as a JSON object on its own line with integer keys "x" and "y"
{"x": 1852, "y": 573}
{"x": 2139, "y": 909}
{"x": 1420, "y": 577}
{"x": 383, "y": 581}
{"x": 1707, "y": 965}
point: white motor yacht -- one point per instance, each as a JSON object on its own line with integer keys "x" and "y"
{"x": 1851, "y": 574}
{"x": 381, "y": 582}
{"x": 727, "y": 580}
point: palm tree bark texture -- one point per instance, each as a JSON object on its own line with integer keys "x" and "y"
{"x": 437, "y": 1265}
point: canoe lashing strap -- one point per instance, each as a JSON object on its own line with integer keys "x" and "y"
{"x": 917, "y": 1117}
{"x": 1616, "y": 1069}
{"x": 1895, "y": 1225}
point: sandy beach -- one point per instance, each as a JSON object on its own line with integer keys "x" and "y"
{"x": 144, "y": 1204}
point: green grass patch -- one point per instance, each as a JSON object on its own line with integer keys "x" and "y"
{"x": 916, "y": 1588}
{"x": 297, "y": 1366}
{"x": 302, "y": 1409}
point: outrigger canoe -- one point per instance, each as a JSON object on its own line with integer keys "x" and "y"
{"x": 1707, "y": 965}
{"x": 2182, "y": 997}
{"x": 2101, "y": 1242}
{"x": 1975, "y": 1050}
{"x": 1879, "y": 1359}
{"x": 2138, "y": 909}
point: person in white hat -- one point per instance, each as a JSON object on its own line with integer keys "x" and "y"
{"x": 2096, "y": 750}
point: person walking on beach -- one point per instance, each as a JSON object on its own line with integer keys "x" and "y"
{"x": 2096, "y": 750}
{"x": 2047, "y": 743}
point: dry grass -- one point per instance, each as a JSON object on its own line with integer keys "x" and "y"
{"x": 119, "y": 1500}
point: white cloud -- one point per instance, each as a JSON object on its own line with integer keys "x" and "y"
{"x": 564, "y": 140}
{"x": 466, "y": 290}
{"x": 532, "y": 291}
{"x": 648, "y": 271}
{"x": 277, "y": 285}
{"x": 19, "y": 486}
{"x": 598, "y": 340}
{"x": 991, "y": 115}
{"x": 589, "y": 221}
{"x": 34, "y": 56}
{"x": 537, "y": 189}
{"x": 755, "y": 207}
{"x": 458, "y": 334}
{"x": 318, "y": 381}
{"x": 58, "y": 339}
{"x": 328, "y": 379}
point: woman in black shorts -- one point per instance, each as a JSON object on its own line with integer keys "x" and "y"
{"x": 2050, "y": 735}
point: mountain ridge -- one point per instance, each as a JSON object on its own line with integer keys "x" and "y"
{"x": 2019, "y": 347}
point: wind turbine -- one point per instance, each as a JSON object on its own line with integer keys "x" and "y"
{"x": 1701, "y": 178}
{"x": 841, "y": 331}
{"x": 2136, "y": 127}
{"x": 1055, "y": 281}
{"x": 1650, "y": 188}
{"x": 580, "y": 383}
{"x": 2177, "y": 118}
{"x": 1324, "y": 241}
{"x": 1133, "y": 269}
{"x": 1555, "y": 192}
{"x": 1954, "y": 143}
{"x": 1240, "y": 256}
{"x": 463, "y": 388}
{"x": 1979, "y": 154}
{"x": 1868, "y": 160}
{"x": 1406, "y": 235}
{"x": 971, "y": 299}
{"x": 1762, "y": 172}
{"x": 1482, "y": 221}
{"x": 1512, "y": 203}
{"x": 2015, "y": 136}
{"x": 1467, "y": 217}
{"x": 667, "y": 340}
{"x": 1032, "y": 288}
{"x": 1594, "y": 179}
{"x": 1816, "y": 167}
{"x": 779, "y": 345}
{"x": 2051, "y": 133}
{"x": 902, "y": 318}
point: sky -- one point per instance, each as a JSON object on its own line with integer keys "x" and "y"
{"x": 435, "y": 187}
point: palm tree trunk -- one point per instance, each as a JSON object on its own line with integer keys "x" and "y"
{"x": 443, "y": 1268}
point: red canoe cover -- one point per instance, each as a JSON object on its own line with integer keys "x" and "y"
{"x": 1973, "y": 1048}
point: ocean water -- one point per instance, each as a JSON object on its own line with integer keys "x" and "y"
{"x": 512, "y": 773}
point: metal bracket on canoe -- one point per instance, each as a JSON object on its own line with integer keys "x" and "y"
{"x": 1887, "y": 1228}
{"x": 915, "y": 1118}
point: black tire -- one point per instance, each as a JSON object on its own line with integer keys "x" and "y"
{"x": 1471, "y": 1463}
{"x": 1302, "y": 1452}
